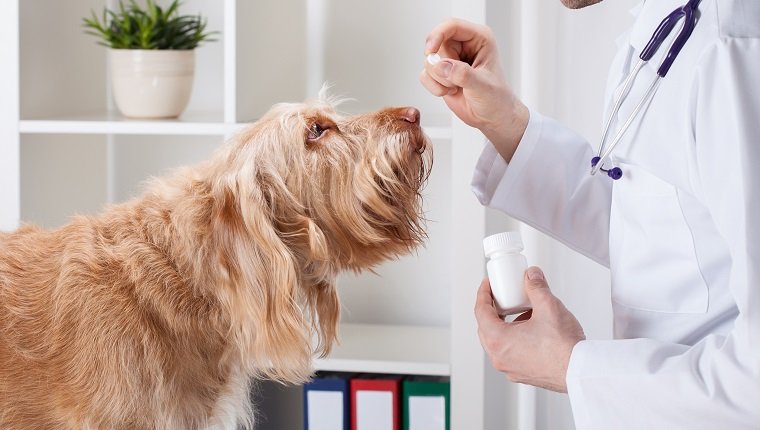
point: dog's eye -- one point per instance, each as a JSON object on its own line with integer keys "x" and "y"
{"x": 315, "y": 131}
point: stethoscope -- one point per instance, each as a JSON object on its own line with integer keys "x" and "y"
{"x": 688, "y": 12}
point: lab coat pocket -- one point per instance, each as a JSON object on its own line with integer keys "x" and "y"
{"x": 653, "y": 260}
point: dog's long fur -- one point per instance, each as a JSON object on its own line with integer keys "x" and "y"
{"x": 158, "y": 312}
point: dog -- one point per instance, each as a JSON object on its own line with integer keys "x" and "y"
{"x": 160, "y": 311}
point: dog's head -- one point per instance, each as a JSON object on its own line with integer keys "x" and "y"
{"x": 351, "y": 182}
{"x": 315, "y": 192}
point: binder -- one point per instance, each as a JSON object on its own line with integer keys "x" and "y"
{"x": 375, "y": 404}
{"x": 326, "y": 404}
{"x": 426, "y": 405}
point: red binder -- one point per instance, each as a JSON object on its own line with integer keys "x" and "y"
{"x": 375, "y": 404}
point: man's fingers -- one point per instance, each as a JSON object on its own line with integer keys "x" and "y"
{"x": 536, "y": 287}
{"x": 451, "y": 29}
{"x": 452, "y": 73}
{"x": 485, "y": 312}
{"x": 433, "y": 86}
{"x": 440, "y": 71}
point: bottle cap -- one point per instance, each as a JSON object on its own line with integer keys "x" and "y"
{"x": 509, "y": 241}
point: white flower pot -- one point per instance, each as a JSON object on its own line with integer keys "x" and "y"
{"x": 152, "y": 83}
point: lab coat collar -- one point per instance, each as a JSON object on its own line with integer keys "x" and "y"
{"x": 622, "y": 39}
{"x": 636, "y": 10}
{"x": 649, "y": 14}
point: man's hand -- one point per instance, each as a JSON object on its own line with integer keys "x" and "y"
{"x": 471, "y": 82}
{"x": 534, "y": 349}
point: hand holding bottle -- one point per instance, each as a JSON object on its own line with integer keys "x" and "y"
{"x": 535, "y": 349}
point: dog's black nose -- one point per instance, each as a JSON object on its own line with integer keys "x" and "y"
{"x": 410, "y": 115}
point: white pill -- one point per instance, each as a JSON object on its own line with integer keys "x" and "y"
{"x": 433, "y": 58}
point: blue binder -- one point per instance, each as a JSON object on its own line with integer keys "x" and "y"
{"x": 326, "y": 404}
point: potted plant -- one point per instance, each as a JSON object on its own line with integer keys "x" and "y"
{"x": 151, "y": 54}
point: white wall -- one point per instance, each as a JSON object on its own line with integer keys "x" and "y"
{"x": 271, "y": 47}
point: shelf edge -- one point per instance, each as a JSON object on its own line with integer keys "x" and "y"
{"x": 41, "y": 126}
{"x": 132, "y": 128}
{"x": 385, "y": 367}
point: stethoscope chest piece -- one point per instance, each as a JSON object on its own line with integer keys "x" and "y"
{"x": 615, "y": 173}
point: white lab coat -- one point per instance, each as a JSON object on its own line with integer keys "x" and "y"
{"x": 680, "y": 231}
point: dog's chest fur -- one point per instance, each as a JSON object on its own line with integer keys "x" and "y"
{"x": 99, "y": 327}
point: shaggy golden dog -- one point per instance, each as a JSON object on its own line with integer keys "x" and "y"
{"x": 158, "y": 312}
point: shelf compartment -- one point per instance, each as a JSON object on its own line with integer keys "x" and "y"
{"x": 390, "y": 349}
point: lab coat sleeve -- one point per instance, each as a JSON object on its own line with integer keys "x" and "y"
{"x": 642, "y": 383}
{"x": 547, "y": 185}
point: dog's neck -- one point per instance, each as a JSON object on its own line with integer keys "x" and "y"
{"x": 175, "y": 221}
{"x": 257, "y": 278}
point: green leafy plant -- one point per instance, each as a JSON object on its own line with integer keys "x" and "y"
{"x": 151, "y": 27}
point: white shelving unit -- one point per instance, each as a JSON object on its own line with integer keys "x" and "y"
{"x": 52, "y": 98}
{"x": 10, "y": 187}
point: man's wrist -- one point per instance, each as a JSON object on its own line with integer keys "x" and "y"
{"x": 566, "y": 360}
{"x": 506, "y": 135}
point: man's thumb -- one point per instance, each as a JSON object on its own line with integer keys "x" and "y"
{"x": 536, "y": 287}
{"x": 458, "y": 73}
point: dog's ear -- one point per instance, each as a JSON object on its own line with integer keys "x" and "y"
{"x": 262, "y": 286}
{"x": 310, "y": 250}
{"x": 325, "y": 309}
{"x": 291, "y": 219}
{"x": 304, "y": 235}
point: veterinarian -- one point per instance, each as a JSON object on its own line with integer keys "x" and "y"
{"x": 672, "y": 208}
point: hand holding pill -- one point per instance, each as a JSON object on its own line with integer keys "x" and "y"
{"x": 462, "y": 66}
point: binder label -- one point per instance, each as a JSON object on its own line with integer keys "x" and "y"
{"x": 325, "y": 410}
{"x": 374, "y": 410}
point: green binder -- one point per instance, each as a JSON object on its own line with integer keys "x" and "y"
{"x": 426, "y": 405}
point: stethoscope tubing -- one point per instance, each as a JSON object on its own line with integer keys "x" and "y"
{"x": 688, "y": 13}
{"x": 619, "y": 136}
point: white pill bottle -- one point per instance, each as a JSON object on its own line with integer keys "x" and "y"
{"x": 506, "y": 271}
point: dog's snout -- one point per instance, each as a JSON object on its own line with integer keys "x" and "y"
{"x": 409, "y": 114}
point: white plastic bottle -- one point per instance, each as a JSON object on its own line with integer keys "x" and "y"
{"x": 506, "y": 270}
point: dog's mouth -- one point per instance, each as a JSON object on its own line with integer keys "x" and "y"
{"x": 421, "y": 160}
{"x": 412, "y": 136}
{"x": 417, "y": 139}
{"x": 410, "y": 170}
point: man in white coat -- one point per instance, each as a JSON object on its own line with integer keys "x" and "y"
{"x": 680, "y": 231}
